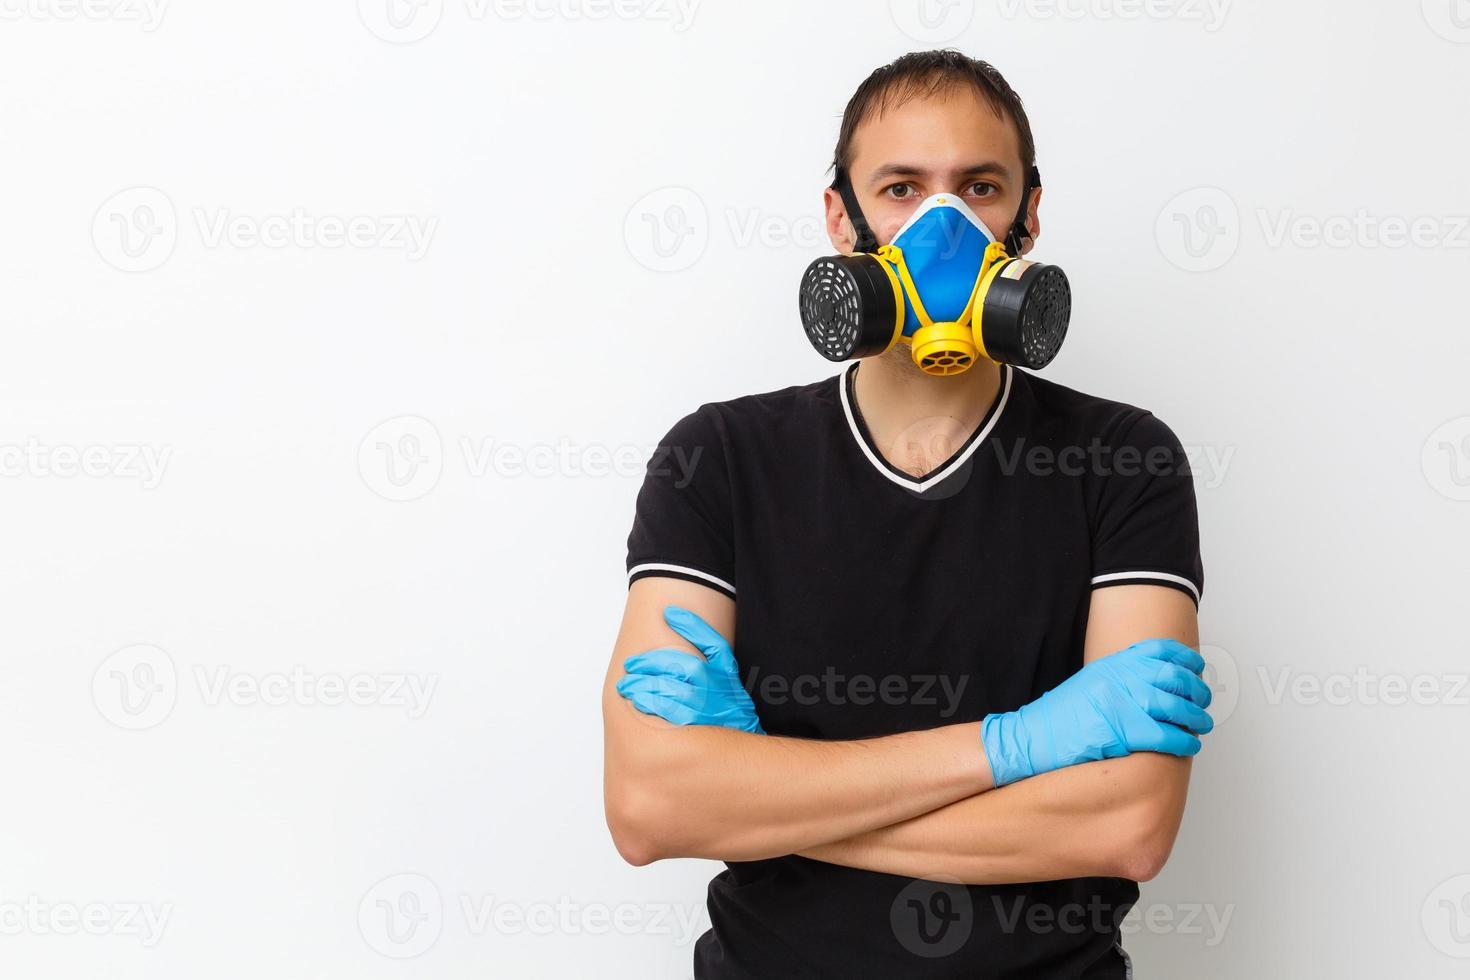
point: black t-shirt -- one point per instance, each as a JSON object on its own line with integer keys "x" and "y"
{"x": 871, "y": 602}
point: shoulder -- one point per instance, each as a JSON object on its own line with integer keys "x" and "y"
{"x": 767, "y": 413}
{"x": 1065, "y": 414}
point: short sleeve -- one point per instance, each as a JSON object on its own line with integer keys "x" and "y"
{"x": 1146, "y": 527}
{"x": 683, "y": 521}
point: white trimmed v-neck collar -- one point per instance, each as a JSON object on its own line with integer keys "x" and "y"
{"x": 950, "y": 466}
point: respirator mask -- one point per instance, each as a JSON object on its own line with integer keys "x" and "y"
{"x": 944, "y": 286}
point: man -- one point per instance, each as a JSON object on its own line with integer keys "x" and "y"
{"x": 959, "y": 725}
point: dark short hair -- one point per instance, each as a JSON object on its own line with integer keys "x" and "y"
{"x": 925, "y": 73}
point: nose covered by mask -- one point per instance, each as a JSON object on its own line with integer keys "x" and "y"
{"x": 946, "y": 287}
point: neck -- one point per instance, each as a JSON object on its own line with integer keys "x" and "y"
{"x": 919, "y": 420}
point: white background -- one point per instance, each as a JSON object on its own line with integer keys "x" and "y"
{"x": 617, "y": 204}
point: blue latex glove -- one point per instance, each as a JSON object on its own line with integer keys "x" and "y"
{"x": 1146, "y": 698}
{"x": 680, "y": 688}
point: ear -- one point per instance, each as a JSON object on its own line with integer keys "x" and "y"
{"x": 1033, "y": 221}
{"x": 839, "y": 227}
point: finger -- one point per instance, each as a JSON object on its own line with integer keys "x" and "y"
{"x": 1173, "y": 709}
{"x": 665, "y": 660}
{"x": 661, "y": 707}
{"x": 706, "y": 639}
{"x": 1170, "y": 741}
{"x": 1174, "y": 652}
{"x": 664, "y": 687}
{"x": 1185, "y": 683}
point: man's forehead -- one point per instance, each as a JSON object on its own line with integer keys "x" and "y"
{"x": 954, "y": 131}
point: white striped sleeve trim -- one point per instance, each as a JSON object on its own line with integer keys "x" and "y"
{"x": 681, "y": 569}
{"x": 1141, "y": 576}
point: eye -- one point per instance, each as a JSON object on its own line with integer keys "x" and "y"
{"x": 982, "y": 189}
{"x": 899, "y": 192}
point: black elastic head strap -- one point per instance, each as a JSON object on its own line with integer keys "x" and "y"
{"x": 1018, "y": 230}
{"x": 868, "y": 242}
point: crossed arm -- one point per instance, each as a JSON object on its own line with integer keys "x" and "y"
{"x": 919, "y": 804}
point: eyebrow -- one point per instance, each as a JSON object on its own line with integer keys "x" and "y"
{"x": 888, "y": 170}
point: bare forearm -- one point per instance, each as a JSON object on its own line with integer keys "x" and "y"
{"x": 1116, "y": 818}
{"x": 728, "y": 795}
